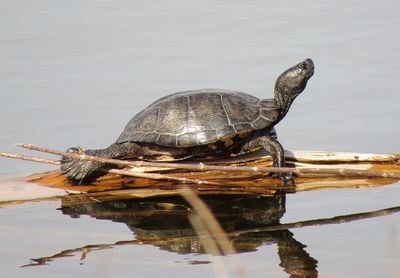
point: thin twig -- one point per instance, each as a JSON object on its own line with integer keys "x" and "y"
{"x": 30, "y": 158}
{"x": 155, "y": 176}
{"x": 206, "y": 167}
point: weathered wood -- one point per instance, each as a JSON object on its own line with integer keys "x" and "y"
{"x": 338, "y": 157}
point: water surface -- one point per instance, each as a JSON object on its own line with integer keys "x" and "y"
{"x": 73, "y": 73}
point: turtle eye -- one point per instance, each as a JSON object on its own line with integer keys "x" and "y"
{"x": 303, "y": 66}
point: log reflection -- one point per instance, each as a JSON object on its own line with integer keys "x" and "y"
{"x": 163, "y": 222}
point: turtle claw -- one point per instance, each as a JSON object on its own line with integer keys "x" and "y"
{"x": 287, "y": 178}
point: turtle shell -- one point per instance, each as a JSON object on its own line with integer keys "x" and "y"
{"x": 199, "y": 117}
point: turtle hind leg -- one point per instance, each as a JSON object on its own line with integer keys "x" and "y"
{"x": 274, "y": 148}
{"x": 78, "y": 170}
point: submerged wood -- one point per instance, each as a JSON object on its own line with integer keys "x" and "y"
{"x": 205, "y": 167}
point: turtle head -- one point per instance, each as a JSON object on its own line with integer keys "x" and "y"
{"x": 292, "y": 82}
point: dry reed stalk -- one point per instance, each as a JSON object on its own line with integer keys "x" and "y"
{"x": 207, "y": 222}
{"x": 209, "y": 244}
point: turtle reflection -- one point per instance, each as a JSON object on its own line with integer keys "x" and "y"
{"x": 163, "y": 222}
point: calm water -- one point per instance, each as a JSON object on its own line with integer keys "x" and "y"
{"x": 74, "y": 72}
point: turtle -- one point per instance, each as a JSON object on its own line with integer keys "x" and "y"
{"x": 200, "y": 124}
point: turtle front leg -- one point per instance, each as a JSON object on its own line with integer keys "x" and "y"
{"x": 274, "y": 148}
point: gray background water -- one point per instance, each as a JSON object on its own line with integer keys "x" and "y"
{"x": 74, "y": 72}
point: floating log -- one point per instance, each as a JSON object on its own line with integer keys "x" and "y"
{"x": 247, "y": 174}
{"x": 266, "y": 169}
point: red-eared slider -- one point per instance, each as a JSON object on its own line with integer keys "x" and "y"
{"x": 199, "y": 123}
